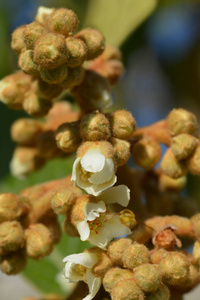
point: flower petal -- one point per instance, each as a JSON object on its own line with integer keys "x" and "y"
{"x": 83, "y": 230}
{"x": 94, "y": 284}
{"x": 96, "y": 189}
{"x": 93, "y": 210}
{"x": 119, "y": 194}
{"x": 93, "y": 161}
{"x": 87, "y": 260}
{"x": 105, "y": 174}
{"x": 74, "y": 169}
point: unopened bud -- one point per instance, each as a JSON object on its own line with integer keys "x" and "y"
{"x": 146, "y": 153}
{"x": 196, "y": 252}
{"x": 25, "y": 131}
{"x": 157, "y": 255}
{"x": 75, "y": 77}
{"x": 196, "y": 225}
{"x": 70, "y": 229}
{"x": 122, "y": 124}
{"x": 48, "y": 91}
{"x": 77, "y": 52}
{"x": 126, "y": 289}
{"x": 94, "y": 127}
{"x": 193, "y": 162}
{"x": 103, "y": 265}
{"x": 54, "y": 76}
{"x": 162, "y": 293}
{"x": 77, "y": 212}
{"x": 35, "y": 106}
{"x": 147, "y": 277}
{"x": 11, "y": 207}
{"x": 18, "y": 43}
{"x": 181, "y": 121}
{"x": 94, "y": 40}
{"x": 117, "y": 248}
{"x": 113, "y": 275}
{"x": 27, "y": 64}
{"x": 11, "y": 236}
{"x": 171, "y": 166}
{"x": 62, "y": 201}
{"x": 121, "y": 151}
{"x": 13, "y": 263}
{"x": 135, "y": 255}
{"x": 39, "y": 242}
{"x": 50, "y": 51}
{"x": 52, "y": 224}
{"x": 32, "y": 32}
{"x": 175, "y": 268}
{"x": 168, "y": 183}
{"x": 192, "y": 279}
{"x": 63, "y": 21}
{"x": 42, "y": 14}
{"x": 105, "y": 148}
{"x": 183, "y": 145}
{"x": 67, "y": 137}
{"x": 46, "y": 145}
{"x": 112, "y": 70}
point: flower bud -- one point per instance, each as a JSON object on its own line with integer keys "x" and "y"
{"x": 48, "y": 91}
{"x": 77, "y": 212}
{"x": 175, "y": 268}
{"x": 103, "y": 265}
{"x": 17, "y": 42}
{"x": 94, "y": 127}
{"x": 117, "y": 248}
{"x": 193, "y": 162}
{"x": 39, "y": 241}
{"x": 25, "y": 131}
{"x": 13, "y": 263}
{"x": 192, "y": 279}
{"x": 135, "y": 255}
{"x": 62, "y": 201}
{"x": 126, "y": 289}
{"x": 162, "y": 293}
{"x": 196, "y": 252}
{"x": 157, "y": 255}
{"x": 42, "y": 14}
{"x": 171, "y": 166}
{"x": 113, "y": 275}
{"x": 166, "y": 238}
{"x": 146, "y": 153}
{"x": 63, "y": 21}
{"x": 27, "y": 64}
{"x": 147, "y": 277}
{"x": 50, "y": 51}
{"x": 94, "y": 41}
{"x": 75, "y": 77}
{"x": 183, "y": 145}
{"x": 67, "y": 137}
{"x": 11, "y": 236}
{"x": 11, "y": 207}
{"x": 36, "y": 106}
{"x": 105, "y": 148}
{"x": 54, "y": 76}
{"x": 122, "y": 124}
{"x": 167, "y": 183}
{"x": 77, "y": 52}
{"x": 46, "y": 145}
{"x": 196, "y": 225}
{"x": 181, "y": 121}
{"x": 121, "y": 151}
{"x": 70, "y": 229}
{"x": 52, "y": 224}
{"x": 32, "y": 32}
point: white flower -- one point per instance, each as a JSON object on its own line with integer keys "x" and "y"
{"x": 94, "y": 172}
{"x": 78, "y": 267}
{"x": 100, "y": 226}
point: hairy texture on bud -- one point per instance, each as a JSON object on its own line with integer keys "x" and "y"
{"x": 94, "y": 127}
{"x": 27, "y": 64}
{"x": 157, "y": 255}
{"x": 126, "y": 289}
{"x": 121, "y": 151}
{"x": 162, "y": 293}
{"x": 50, "y": 51}
{"x": 113, "y": 275}
{"x": 193, "y": 162}
{"x": 94, "y": 40}
{"x": 196, "y": 225}
{"x": 105, "y": 148}
{"x": 67, "y": 137}
{"x": 17, "y": 42}
{"x": 43, "y": 13}
{"x": 181, "y": 121}
{"x": 25, "y": 131}
{"x": 62, "y": 201}
{"x": 122, "y": 124}
{"x": 13, "y": 263}
{"x": 183, "y": 145}
{"x": 147, "y": 277}
{"x": 77, "y": 52}
{"x": 63, "y": 21}
{"x": 103, "y": 265}
{"x": 35, "y": 106}
{"x": 11, "y": 236}
{"x": 46, "y": 145}
{"x": 117, "y": 248}
{"x": 146, "y": 153}
{"x": 32, "y": 32}
{"x": 54, "y": 76}
{"x": 39, "y": 241}
{"x": 135, "y": 255}
{"x": 168, "y": 183}
{"x": 171, "y": 166}
{"x": 48, "y": 91}
{"x": 175, "y": 268}
{"x": 75, "y": 77}
{"x": 11, "y": 207}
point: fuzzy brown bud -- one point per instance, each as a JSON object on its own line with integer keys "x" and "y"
{"x": 54, "y": 76}
{"x": 113, "y": 275}
{"x": 48, "y": 91}
{"x": 62, "y": 201}
{"x": 171, "y": 166}
{"x": 181, "y": 121}
{"x": 121, "y": 151}
{"x": 35, "y": 106}
{"x": 17, "y": 42}
{"x": 117, "y": 248}
{"x": 183, "y": 145}
{"x": 193, "y": 162}
{"x": 196, "y": 225}
{"x": 46, "y": 145}
{"x": 105, "y": 148}
{"x": 32, "y": 32}
{"x": 103, "y": 265}
{"x": 196, "y": 252}
{"x": 77, "y": 52}
{"x": 162, "y": 293}
{"x": 39, "y": 242}
{"x": 11, "y": 207}
{"x": 122, "y": 124}
{"x": 157, "y": 255}
{"x": 126, "y": 289}
{"x": 94, "y": 41}
{"x": 27, "y": 64}
{"x": 63, "y": 21}
{"x": 13, "y": 263}
{"x": 135, "y": 255}
{"x": 11, "y": 236}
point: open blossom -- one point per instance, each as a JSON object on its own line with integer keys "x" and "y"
{"x": 78, "y": 267}
{"x": 100, "y": 225}
{"x": 94, "y": 172}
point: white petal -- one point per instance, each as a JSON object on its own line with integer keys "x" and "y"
{"x": 117, "y": 194}
{"x": 100, "y": 240}
{"x": 105, "y": 174}
{"x": 83, "y": 230}
{"x": 87, "y": 260}
{"x": 93, "y": 161}
{"x": 70, "y": 273}
{"x": 92, "y": 210}
{"x": 97, "y": 189}
{"x": 74, "y": 169}
{"x": 19, "y": 169}
{"x": 94, "y": 284}
{"x": 116, "y": 228}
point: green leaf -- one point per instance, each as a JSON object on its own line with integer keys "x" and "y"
{"x": 116, "y": 19}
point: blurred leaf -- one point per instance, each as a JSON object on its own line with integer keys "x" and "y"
{"x": 4, "y": 42}
{"x": 116, "y": 19}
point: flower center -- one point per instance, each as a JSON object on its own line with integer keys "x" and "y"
{"x": 97, "y": 223}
